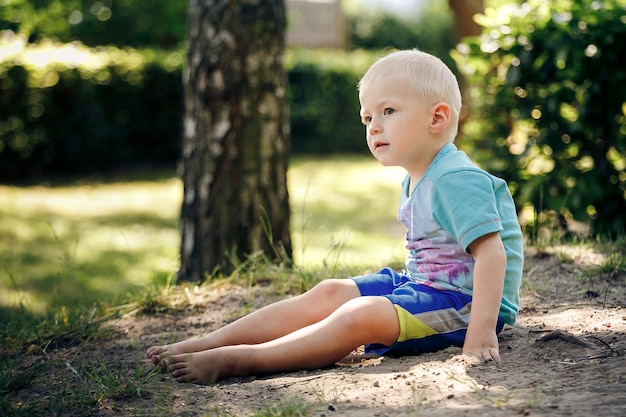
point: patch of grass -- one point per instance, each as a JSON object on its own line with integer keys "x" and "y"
{"x": 114, "y": 382}
{"x": 217, "y": 411}
{"x": 84, "y": 243}
{"x": 14, "y": 377}
{"x": 53, "y": 386}
{"x": 286, "y": 409}
{"x": 62, "y": 328}
{"x": 343, "y": 209}
{"x": 613, "y": 263}
{"x": 154, "y": 298}
{"x": 8, "y": 409}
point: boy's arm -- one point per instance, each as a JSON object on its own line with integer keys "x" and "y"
{"x": 489, "y": 270}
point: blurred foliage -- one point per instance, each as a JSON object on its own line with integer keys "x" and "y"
{"x": 549, "y": 108}
{"x": 69, "y": 108}
{"x": 137, "y": 23}
{"x": 431, "y": 30}
{"x": 323, "y": 80}
{"x": 68, "y": 104}
{"x": 547, "y": 102}
{"x": 66, "y": 108}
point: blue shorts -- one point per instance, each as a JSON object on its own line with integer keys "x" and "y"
{"x": 430, "y": 319}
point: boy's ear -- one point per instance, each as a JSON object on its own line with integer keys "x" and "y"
{"x": 440, "y": 117}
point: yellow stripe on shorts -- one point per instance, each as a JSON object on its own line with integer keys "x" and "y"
{"x": 411, "y": 327}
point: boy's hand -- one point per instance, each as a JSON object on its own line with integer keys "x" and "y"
{"x": 481, "y": 339}
{"x": 483, "y": 346}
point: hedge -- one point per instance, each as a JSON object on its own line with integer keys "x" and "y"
{"x": 70, "y": 109}
{"x": 549, "y": 93}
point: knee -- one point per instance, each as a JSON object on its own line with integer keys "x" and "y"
{"x": 376, "y": 316}
{"x": 364, "y": 311}
{"x": 330, "y": 294}
{"x": 341, "y": 290}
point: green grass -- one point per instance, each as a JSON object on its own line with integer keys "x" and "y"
{"x": 86, "y": 243}
{"x": 345, "y": 207}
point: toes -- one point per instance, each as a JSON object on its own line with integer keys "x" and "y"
{"x": 164, "y": 362}
{"x": 185, "y": 379}
{"x": 180, "y": 372}
{"x": 154, "y": 351}
{"x": 176, "y": 363}
{"x": 175, "y": 367}
{"x": 175, "y": 359}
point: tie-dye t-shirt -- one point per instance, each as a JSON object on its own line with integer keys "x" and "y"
{"x": 454, "y": 204}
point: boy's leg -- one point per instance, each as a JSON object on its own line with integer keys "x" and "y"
{"x": 269, "y": 322}
{"x": 363, "y": 320}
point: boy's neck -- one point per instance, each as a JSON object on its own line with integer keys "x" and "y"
{"x": 422, "y": 167}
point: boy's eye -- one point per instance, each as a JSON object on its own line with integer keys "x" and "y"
{"x": 365, "y": 119}
{"x": 388, "y": 111}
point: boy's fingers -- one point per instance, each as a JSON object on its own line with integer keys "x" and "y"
{"x": 492, "y": 355}
{"x": 485, "y": 355}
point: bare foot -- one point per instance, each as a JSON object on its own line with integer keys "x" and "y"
{"x": 206, "y": 367}
{"x": 157, "y": 354}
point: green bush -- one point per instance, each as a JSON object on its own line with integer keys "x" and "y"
{"x": 324, "y": 103}
{"x": 71, "y": 109}
{"x": 68, "y": 105}
{"x": 137, "y": 23}
{"x": 431, "y": 30}
{"x": 549, "y": 108}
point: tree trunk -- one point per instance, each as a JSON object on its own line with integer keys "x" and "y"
{"x": 236, "y": 137}
{"x": 464, "y": 11}
{"x": 464, "y": 25}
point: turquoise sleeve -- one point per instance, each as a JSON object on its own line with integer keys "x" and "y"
{"x": 464, "y": 204}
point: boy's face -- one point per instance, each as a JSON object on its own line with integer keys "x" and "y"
{"x": 397, "y": 125}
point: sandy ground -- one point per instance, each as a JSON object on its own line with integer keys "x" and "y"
{"x": 566, "y": 357}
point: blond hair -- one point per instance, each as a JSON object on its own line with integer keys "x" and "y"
{"x": 426, "y": 74}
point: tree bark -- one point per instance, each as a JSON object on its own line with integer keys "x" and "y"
{"x": 464, "y": 25}
{"x": 464, "y": 11}
{"x": 236, "y": 137}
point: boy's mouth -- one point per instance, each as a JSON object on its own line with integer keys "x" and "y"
{"x": 378, "y": 144}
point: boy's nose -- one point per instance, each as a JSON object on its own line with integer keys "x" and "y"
{"x": 374, "y": 127}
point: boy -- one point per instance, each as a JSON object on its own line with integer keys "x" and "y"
{"x": 464, "y": 263}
